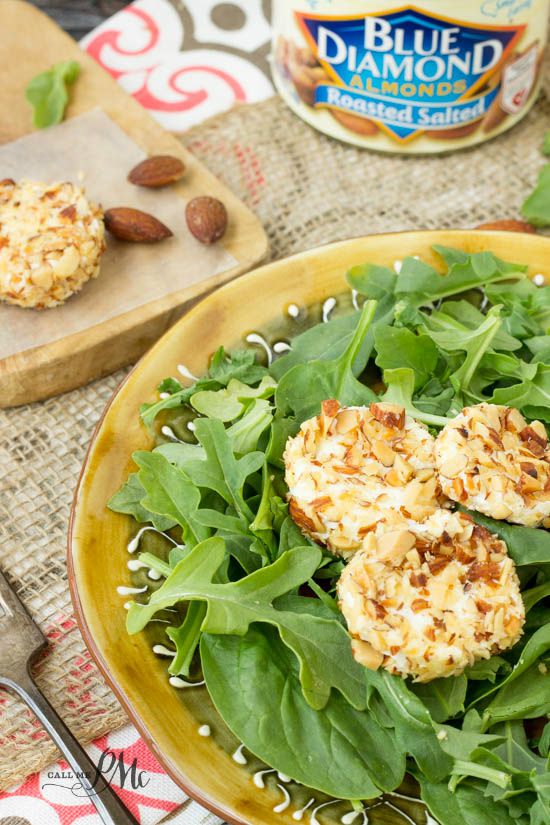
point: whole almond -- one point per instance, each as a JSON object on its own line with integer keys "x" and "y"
{"x": 508, "y": 225}
{"x": 129, "y": 224}
{"x": 160, "y": 170}
{"x": 206, "y": 218}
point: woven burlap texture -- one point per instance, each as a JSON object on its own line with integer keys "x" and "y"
{"x": 307, "y": 190}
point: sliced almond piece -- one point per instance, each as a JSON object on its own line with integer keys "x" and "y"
{"x": 383, "y": 453}
{"x": 365, "y": 654}
{"x": 391, "y": 415}
{"x": 395, "y": 545}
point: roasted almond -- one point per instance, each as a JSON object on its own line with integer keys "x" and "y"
{"x": 507, "y": 225}
{"x": 160, "y": 170}
{"x": 133, "y": 225}
{"x": 206, "y": 218}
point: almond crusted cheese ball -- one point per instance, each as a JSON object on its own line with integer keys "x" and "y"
{"x": 51, "y": 240}
{"x": 351, "y": 468}
{"x": 490, "y": 460}
{"x": 428, "y": 604}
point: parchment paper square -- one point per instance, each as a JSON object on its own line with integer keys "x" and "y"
{"x": 93, "y": 150}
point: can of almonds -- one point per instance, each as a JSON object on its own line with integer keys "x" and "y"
{"x": 430, "y": 77}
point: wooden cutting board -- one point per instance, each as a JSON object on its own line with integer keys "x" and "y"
{"x": 30, "y": 43}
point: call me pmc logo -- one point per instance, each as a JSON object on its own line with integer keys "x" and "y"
{"x": 407, "y": 56}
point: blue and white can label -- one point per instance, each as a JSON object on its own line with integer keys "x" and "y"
{"x": 410, "y": 74}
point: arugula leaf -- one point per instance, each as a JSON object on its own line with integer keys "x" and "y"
{"x": 463, "y": 314}
{"x": 425, "y": 285}
{"x": 254, "y": 683}
{"x": 170, "y": 493}
{"x": 186, "y": 637}
{"x": 321, "y": 645}
{"x": 399, "y": 347}
{"x": 474, "y": 343}
{"x": 239, "y": 365}
{"x": 302, "y": 389}
{"x": 528, "y": 395}
{"x": 465, "y": 805}
{"x": 47, "y": 92}
{"x": 400, "y": 389}
{"x": 221, "y": 470}
{"x": 229, "y": 403}
{"x": 536, "y": 208}
{"x": 128, "y": 500}
{"x": 245, "y": 433}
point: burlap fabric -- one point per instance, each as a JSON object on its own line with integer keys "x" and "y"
{"x": 307, "y": 190}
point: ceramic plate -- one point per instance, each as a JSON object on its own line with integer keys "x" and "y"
{"x": 259, "y": 307}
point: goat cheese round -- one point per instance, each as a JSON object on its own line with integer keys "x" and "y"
{"x": 491, "y": 460}
{"x": 351, "y": 468}
{"x": 51, "y": 240}
{"x": 431, "y": 602}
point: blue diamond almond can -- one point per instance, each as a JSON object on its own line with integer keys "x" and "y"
{"x": 429, "y": 77}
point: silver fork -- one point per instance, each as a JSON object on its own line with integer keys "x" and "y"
{"x": 20, "y": 643}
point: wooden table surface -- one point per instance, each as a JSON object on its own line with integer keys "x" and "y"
{"x": 78, "y": 17}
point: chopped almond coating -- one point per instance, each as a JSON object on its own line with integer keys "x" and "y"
{"x": 490, "y": 460}
{"x": 51, "y": 240}
{"x": 353, "y": 467}
{"x": 432, "y": 609}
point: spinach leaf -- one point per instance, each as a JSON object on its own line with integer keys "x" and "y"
{"x": 128, "y": 501}
{"x": 47, "y": 92}
{"x": 376, "y": 283}
{"x": 444, "y": 698}
{"x": 536, "y": 208}
{"x": 526, "y": 545}
{"x": 302, "y": 389}
{"x": 534, "y": 595}
{"x": 525, "y": 695}
{"x": 413, "y": 725}
{"x": 321, "y": 645}
{"x": 322, "y": 342}
{"x": 535, "y": 647}
{"x": 399, "y": 347}
{"x": 254, "y": 683}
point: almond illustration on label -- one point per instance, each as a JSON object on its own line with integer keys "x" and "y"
{"x": 355, "y": 123}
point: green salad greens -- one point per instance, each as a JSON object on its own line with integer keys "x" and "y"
{"x": 252, "y": 600}
{"x": 48, "y": 92}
